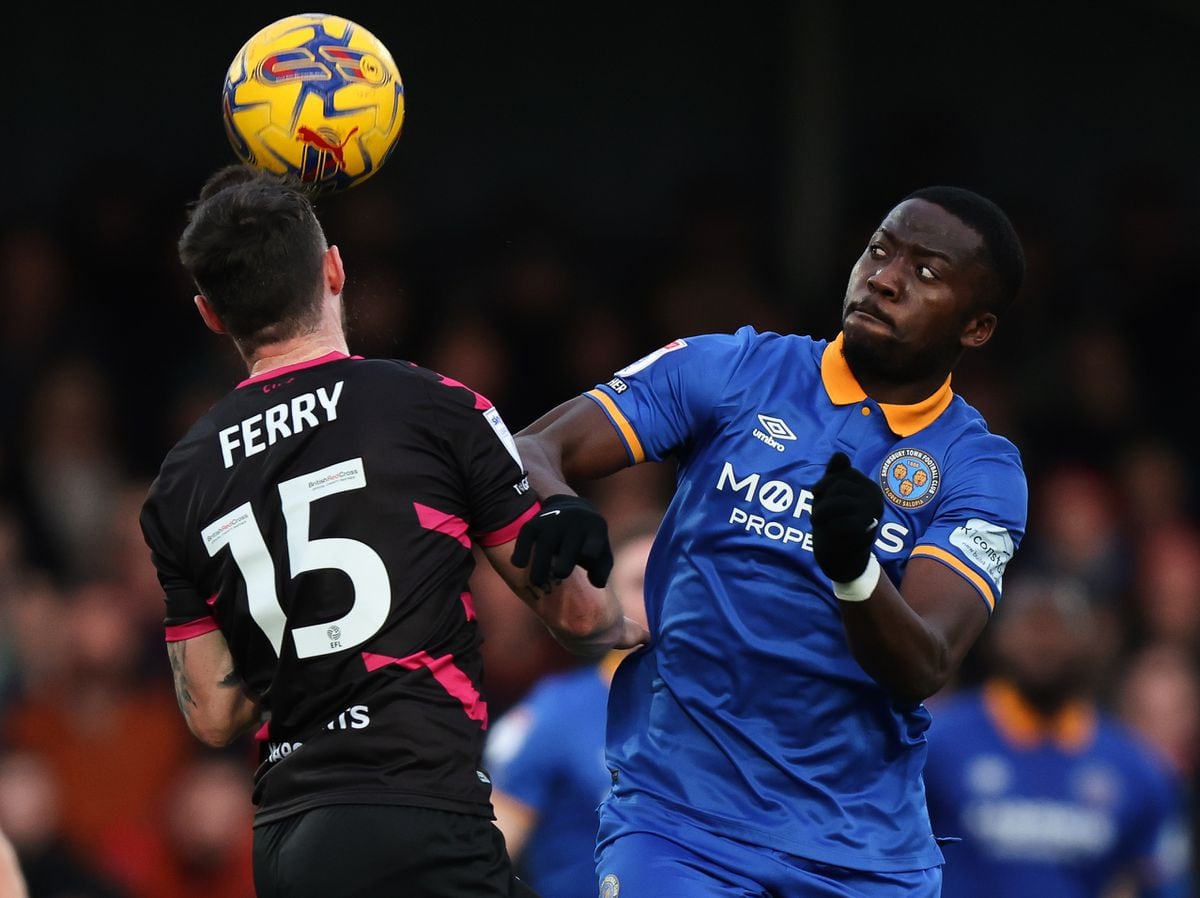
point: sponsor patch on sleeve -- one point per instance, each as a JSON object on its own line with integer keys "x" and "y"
{"x": 497, "y": 424}
{"x": 648, "y": 360}
{"x": 988, "y": 546}
{"x": 617, "y": 385}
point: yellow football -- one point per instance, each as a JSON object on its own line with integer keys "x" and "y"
{"x": 315, "y": 96}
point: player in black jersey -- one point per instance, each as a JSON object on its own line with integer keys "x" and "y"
{"x": 313, "y": 534}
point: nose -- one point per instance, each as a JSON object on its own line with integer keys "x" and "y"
{"x": 887, "y": 279}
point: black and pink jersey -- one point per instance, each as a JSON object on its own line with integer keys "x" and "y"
{"x": 322, "y": 516}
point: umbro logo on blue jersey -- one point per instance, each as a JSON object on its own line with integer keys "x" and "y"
{"x": 776, "y": 427}
{"x": 773, "y": 430}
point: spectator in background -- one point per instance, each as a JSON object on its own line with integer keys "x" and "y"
{"x": 112, "y": 741}
{"x": 199, "y": 845}
{"x": 1077, "y": 532}
{"x": 1159, "y": 696}
{"x": 1049, "y": 794}
{"x": 1166, "y": 588}
{"x": 35, "y": 319}
{"x": 33, "y": 641}
{"x": 546, "y": 756}
{"x": 70, "y": 466}
{"x": 30, "y": 804}
{"x": 1156, "y": 483}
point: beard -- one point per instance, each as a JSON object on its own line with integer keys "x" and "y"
{"x": 885, "y": 360}
{"x": 1049, "y": 694}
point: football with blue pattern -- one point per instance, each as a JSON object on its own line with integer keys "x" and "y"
{"x": 315, "y": 96}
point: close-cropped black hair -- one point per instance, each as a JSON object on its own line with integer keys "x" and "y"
{"x": 255, "y": 249}
{"x": 1001, "y": 245}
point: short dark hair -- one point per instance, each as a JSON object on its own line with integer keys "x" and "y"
{"x": 254, "y": 247}
{"x": 1002, "y": 250}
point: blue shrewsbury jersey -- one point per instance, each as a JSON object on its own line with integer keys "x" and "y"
{"x": 1059, "y": 812}
{"x": 548, "y": 753}
{"x": 747, "y": 714}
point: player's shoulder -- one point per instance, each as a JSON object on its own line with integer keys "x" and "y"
{"x": 973, "y": 430}
{"x": 770, "y": 342}
{"x": 187, "y": 457}
{"x": 755, "y": 349}
{"x": 440, "y": 388}
{"x": 970, "y": 444}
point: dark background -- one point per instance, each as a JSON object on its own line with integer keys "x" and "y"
{"x": 575, "y": 185}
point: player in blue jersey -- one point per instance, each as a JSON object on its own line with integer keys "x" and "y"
{"x": 836, "y": 542}
{"x": 1050, "y": 794}
{"x": 546, "y": 755}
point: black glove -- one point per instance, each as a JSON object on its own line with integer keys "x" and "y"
{"x": 847, "y": 506}
{"x": 568, "y": 531}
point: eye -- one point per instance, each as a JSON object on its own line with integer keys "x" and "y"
{"x": 926, "y": 273}
{"x": 875, "y": 251}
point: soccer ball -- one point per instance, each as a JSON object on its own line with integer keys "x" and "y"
{"x": 317, "y": 97}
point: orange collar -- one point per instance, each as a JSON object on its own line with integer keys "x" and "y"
{"x": 904, "y": 420}
{"x": 1071, "y": 729}
{"x": 609, "y": 663}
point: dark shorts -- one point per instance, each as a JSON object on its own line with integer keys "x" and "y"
{"x": 346, "y": 851}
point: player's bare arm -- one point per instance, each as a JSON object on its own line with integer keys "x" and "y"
{"x": 571, "y": 443}
{"x": 515, "y": 819}
{"x": 586, "y": 620}
{"x": 913, "y": 639}
{"x": 211, "y": 695}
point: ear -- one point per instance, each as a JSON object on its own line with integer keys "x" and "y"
{"x": 335, "y": 273}
{"x": 978, "y": 330}
{"x": 208, "y": 313}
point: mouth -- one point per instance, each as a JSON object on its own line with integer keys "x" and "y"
{"x": 868, "y": 310}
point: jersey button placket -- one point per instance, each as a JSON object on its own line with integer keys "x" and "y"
{"x": 860, "y": 427}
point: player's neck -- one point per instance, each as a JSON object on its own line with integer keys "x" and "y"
{"x": 294, "y": 351}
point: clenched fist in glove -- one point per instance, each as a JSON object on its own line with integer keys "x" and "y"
{"x": 568, "y": 531}
{"x": 847, "y": 506}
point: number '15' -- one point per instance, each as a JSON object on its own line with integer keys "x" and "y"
{"x": 239, "y": 530}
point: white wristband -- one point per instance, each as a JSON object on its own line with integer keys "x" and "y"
{"x": 860, "y": 588}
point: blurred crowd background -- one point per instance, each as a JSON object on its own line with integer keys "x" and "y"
{"x": 573, "y": 189}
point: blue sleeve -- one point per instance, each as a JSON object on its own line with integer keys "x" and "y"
{"x": 661, "y": 401}
{"x": 521, "y": 756}
{"x": 980, "y": 523}
{"x": 1162, "y": 848}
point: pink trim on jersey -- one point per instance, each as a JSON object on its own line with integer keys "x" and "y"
{"x": 509, "y": 532}
{"x": 288, "y": 369}
{"x": 190, "y": 630}
{"x": 264, "y": 732}
{"x": 482, "y": 403}
{"x": 442, "y": 522}
{"x": 211, "y": 600}
{"x": 452, "y": 679}
{"x": 468, "y": 605}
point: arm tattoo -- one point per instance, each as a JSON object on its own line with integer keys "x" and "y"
{"x": 183, "y": 694}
